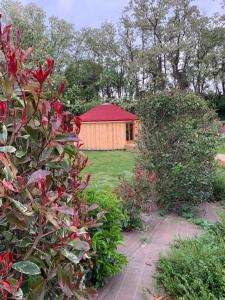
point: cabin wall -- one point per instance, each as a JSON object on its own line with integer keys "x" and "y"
{"x": 103, "y": 135}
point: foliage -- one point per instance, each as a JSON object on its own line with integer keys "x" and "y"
{"x": 49, "y": 36}
{"x": 75, "y": 102}
{"x": 194, "y": 269}
{"x": 119, "y": 164}
{"x": 178, "y": 142}
{"x": 217, "y": 102}
{"x": 44, "y": 223}
{"x": 157, "y": 45}
{"x": 137, "y": 195}
{"x": 85, "y": 75}
{"x": 107, "y": 261}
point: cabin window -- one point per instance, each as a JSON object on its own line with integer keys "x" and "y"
{"x": 129, "y": 131}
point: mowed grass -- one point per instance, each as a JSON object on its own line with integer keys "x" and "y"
{"x": 221, "y": 146}
{"x": 106, "y": 167}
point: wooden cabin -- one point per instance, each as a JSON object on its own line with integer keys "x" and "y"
{"x": 108, "y": 127}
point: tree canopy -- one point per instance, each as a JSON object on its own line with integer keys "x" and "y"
{"x": 157, "y": 45}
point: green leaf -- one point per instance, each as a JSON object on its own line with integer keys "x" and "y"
{"x": 22, "y": 208}
{"x": 20, "y": 153}
{"x": 16, "y": 294}
{"x": 13, "y": 219}
{"x": 69, "y": 255}
{"x": 27, "y": 267}
{"x": 70, "y": 150}
{"x": 7, "y": 149}
{"x": 7, "y": 174}
{"x": 3, "y": 134}
{"x": 64, "y": 280}
{"x": 19, "y": 294}
{"x": 24, "y": 243}
{"x": 79, "y": 245}
{"x": 36, "y": 285}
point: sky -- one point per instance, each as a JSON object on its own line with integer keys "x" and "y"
{"x": 92, "y": 13}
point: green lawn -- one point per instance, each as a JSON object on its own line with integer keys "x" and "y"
{"x": 221, "y": 147}
{"x": 105, "y": 167}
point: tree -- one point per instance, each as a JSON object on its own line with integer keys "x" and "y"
{"x": 178, "y": 145}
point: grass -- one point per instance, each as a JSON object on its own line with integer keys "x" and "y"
{"x": 221, "y": 146}
{"x": 106, "y": 167}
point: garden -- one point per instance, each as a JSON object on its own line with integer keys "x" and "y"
{"x": 108, "y": 225}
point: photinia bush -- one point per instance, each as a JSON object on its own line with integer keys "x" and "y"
{"x": 44, "y": 223}
{"x": 137, "y": 195}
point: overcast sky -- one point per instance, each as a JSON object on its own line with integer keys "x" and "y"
{"x": 92, "y": 13}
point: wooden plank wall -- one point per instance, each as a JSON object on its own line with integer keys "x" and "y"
{"x": 103, "y": 135}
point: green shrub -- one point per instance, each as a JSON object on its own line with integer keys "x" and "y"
{"x": 107, "y": 261}
{"x": 178, "y": 142}
{"x": 219, "y": 184}
{"x": 195, "y": 269}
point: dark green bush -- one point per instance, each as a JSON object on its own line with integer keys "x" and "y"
{"x": 195, "y": 269}
{"x": 75, "y": 102}
{"x": 107, "y": 261}
{"x": 178, "y": 142}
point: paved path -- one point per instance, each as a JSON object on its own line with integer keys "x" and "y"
{"x": 210, "y": 211}
{"x": 220, "y": 158}
{"x": 143, "y": 257}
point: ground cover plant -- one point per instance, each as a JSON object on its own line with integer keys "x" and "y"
{"x": 106, "y": 167}
{"x": 194, "y": 269}
{"x": 178, "y": 144}
{"x": 106, "y": 260}
{"x": 44, "y": 223}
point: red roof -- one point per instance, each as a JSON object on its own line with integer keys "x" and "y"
{"x": 107, "y": 112}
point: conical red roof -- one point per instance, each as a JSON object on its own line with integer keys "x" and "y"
{"x": 107, "y": 112}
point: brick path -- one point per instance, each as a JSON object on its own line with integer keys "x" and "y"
{"x": 143, "y": 257}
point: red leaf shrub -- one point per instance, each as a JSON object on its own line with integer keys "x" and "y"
{"x": 137, "y": 195}
{"x": 43, "y": 221}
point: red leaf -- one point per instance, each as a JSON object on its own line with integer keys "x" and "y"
{"x": 7, "y": 285}
{"x": 3, "y": 109}
{"x": 40, "y": 74}
{"x": 5, "y": 35}
{"x": 75, "y": 219}
{"x": 57, "y": 106}
{"x": 8, "y": 186}
{"x": 24, "y": 116}
{"x": 152, "y": 177}
{"x": 12, "y": 64}
{"x": 61, "y": 88}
